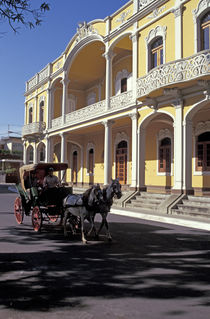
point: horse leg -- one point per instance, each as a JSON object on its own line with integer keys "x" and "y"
{"x": 64, "y": 223}
{"x": 82, "y": 229}
{"x": 107, "y": 229}
{"x": 92, "y": 228}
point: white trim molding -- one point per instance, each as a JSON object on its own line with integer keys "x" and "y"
{"x": 158, "y": 31}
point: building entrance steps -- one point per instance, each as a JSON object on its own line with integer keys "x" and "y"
{"x": 193, "y": 206}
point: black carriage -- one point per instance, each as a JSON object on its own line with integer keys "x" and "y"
{"x": 34, "y": 200}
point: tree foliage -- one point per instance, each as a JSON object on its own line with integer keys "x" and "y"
{"x": 20, "y": 12}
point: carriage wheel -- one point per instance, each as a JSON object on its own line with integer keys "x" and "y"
{"x": 18, "y": 210}
{"x": 36, "y": 219}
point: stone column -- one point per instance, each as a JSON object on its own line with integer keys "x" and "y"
{"x": 107, "y": 151}
{"x": 178, "y": 31}
{"x": 108, "y": 56}
{"x": 141, "y": 159}
{"x": 63, "y": 147}
{"x": 49, "y": 109}
{"x": 134, "y": 118}
{"x": 134, "y": 38}
{"x": 65, "y": 83}
{"x": 48, "y": 150}
{"x": 178, "y": 145}
{"x": 24, "y": 152}
{"x": 35, "y": 153}
{"x": 187, "y": 156}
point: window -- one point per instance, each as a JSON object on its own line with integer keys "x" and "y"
{"x": 165, "y": 155}
{"x": 91, "y": 161}
{"x": 203, "y": 152}
{"x": 30, "y": 115}
{"x": 41, "y": 110}
{"x": 121, "y": 162}
{"x": 42, "y": 153}
{"x": 205, "y": 32}
{"x": 157, "y": 52}
{"x": 123, "y": 85}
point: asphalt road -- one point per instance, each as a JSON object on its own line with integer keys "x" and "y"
{"x": 150, "y": 270}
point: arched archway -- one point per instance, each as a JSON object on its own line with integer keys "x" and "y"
{"x": 156, "y": 152}
{"x": 41, "y": 152}
{"x": 30, "y": 154}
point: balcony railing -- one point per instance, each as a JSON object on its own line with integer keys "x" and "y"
{"x": 121, "y": 100}
{"x": 176, "y": 72}
{"x": 86, "y": 113}
{"x": 35, "y": 128}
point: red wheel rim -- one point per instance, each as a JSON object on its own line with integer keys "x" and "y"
{"x": 18, "y": 209}
{"x": 36, "y": 219}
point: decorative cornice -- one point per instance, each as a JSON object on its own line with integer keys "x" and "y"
{"x": 84, "y": 30}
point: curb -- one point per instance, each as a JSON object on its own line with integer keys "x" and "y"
{"x": 185, "y": 222}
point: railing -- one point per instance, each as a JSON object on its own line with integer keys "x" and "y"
{"x": 39, "y": 77}
{"x": 86, "y": 113}
{"x": 174, "y": 72}
{"x": 57, "y": 122}
{"x": 121, "y": 100}
{"x": 33, "y": 128}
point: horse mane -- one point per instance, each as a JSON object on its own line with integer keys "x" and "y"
{"x": 86, "y": 195}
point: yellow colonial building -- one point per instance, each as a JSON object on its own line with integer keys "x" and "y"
{"x": 129, "y": 97}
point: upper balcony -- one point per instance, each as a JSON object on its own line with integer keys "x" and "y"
{"x": 33, "y": 129}
{"x": 172, "y": 73}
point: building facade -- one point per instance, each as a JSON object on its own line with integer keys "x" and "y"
{"x": 128, "y": 98}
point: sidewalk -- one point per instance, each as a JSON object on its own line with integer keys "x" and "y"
{"x": 186, "y": 221}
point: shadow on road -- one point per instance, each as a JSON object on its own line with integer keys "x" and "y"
{"x": 143, "y": 261}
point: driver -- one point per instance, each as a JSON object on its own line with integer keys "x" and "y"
{"x": 50, "y": 184}
{"x": 51, "y": 181}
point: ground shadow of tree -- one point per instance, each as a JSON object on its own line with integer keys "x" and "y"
{"x": 145, "y": 261}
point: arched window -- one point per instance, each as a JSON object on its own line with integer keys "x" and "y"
{"x": 30, "y": 115}
{"x": 165, "y": 155}
{"x": 203, "y": 152}
{"x": 42, "y": 153}
{"x": 91, "y": 161}
{"x": 205, "y": 32}
{"x": 121, "y": 162}
{"x": 30, "y": 154}
{"x": 157, "y": 52}
{"x": 41, "y": 111}
{"x": 123, "y": 85}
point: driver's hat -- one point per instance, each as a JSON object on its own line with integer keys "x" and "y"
{"x": 51, "y": 169}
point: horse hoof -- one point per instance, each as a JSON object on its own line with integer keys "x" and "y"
{"x": 109, "y": 240}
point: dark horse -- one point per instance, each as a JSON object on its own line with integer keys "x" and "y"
{"x": 109, "y": 192}
{"x": 81, "y": 207}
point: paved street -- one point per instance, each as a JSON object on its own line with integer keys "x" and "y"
{"x": 150, "y": 270}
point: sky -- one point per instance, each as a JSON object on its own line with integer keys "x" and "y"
{"x": 27, "y": 52}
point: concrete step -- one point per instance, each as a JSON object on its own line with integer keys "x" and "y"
{"x": 150, "y": 206}
{"x": 190, "y": 213}
{"x": 202, "y": 199}
{"x": 153, "y": 195}
{"x": 186, "y": 209}
{"x": 142, "y": 201}
{"x": 144, "y": 208}
{"x": 189, "y": 203}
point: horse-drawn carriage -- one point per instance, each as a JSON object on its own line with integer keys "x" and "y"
{"x": 70, "y": 208}
{"x": 34, "y": 200}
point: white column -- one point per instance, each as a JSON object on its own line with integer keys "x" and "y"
{"x": 63, "y": 147}
{"x": 24, "y": 152}
{"x": 187, "y": 155}
{"x": 134, "y": 118}
{"x": 178, "y": 145}
{"x": 65, "y": 83}
{"x": 108, "y": 56}
{"x": 141, "y": 158}
{"x": 82, "y": 165}
{"x": 35, "y": 154}
{"x": 135, "y": 6}
{"x": 134, "y": 38}
{"x": 107, "y": 151}
{"x": 35, "y": 110}
{"x": 178, "y": 32}
{"x": 48, "y": 150}
{"x": 49, "y": 109}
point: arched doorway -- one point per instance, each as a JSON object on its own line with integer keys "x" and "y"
{"x": 121, "y": 162}
{"x": 74, "y": 167}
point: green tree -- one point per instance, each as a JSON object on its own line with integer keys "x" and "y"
{"x": 20, "y": 12}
